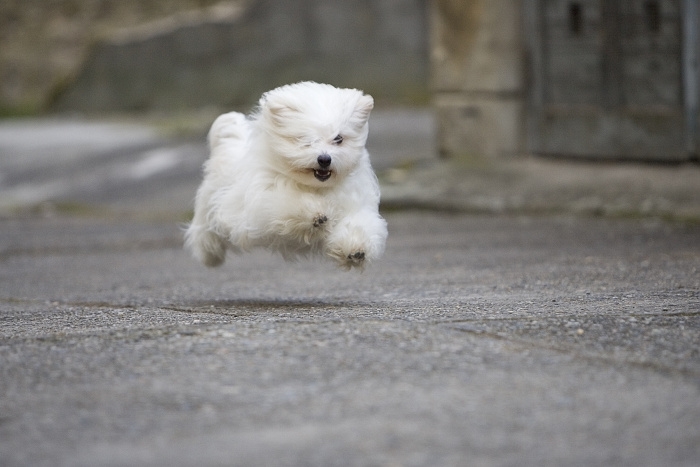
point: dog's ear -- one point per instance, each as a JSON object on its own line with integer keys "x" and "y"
{"x": 276, "y": 108}
{"x": 278, "y": 111}
{"x": 363, "y": 107}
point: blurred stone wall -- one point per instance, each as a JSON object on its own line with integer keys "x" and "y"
{"x": 478, "y": 77}
{"x": 44, "y": 42}
{"x": 226, "y": 55}
{"x": 614, "y": 80}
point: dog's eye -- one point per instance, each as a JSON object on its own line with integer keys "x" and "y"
{"x": 338, "y": 139}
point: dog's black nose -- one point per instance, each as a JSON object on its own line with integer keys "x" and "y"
{"x": 324, "y": 160}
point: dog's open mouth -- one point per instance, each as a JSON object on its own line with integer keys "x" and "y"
{"x": 322, "y": 174}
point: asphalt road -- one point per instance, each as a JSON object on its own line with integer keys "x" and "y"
{"x": 478, "y": 340}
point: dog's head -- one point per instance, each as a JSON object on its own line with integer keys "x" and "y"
{"x": 316, "y": 132}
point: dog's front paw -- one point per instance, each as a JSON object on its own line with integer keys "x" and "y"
{"x": 357, "y": 257}
{"x": 348, "y": 259}
{"x": 319, "y": 220}
{"x": 355, "y": 242}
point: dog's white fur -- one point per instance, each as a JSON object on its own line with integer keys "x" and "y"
{"x": 264, "y": 184}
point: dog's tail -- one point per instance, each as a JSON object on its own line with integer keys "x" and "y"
{"x": 232, "y": 125}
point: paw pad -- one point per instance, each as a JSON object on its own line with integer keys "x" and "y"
{"x": 357, "y": 256}
{"x": 320, "y": 220}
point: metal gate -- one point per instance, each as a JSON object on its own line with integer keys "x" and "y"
{"x": 613, "y": 79}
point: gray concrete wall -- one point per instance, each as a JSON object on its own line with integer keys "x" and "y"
{"x": 613, "y": 80}
{"x": 230, "y": 59}
{"x": 42, "y": 43}
{"x": 477, "y": 74}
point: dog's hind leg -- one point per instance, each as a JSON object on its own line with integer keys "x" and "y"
{"x": 205, "y": 245}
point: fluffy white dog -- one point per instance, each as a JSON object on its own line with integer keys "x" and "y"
{"x": 294, "y": 177}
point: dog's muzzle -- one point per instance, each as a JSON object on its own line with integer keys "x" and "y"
{"x": 324, "y": 172}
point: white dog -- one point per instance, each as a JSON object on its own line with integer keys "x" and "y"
{"x": 294, "y": 177}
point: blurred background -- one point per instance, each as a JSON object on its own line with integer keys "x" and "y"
{"x": 478, "y": 85}
{"x": 129, "y": 55}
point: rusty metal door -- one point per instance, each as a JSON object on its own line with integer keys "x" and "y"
{"x": 613, "y": 79}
